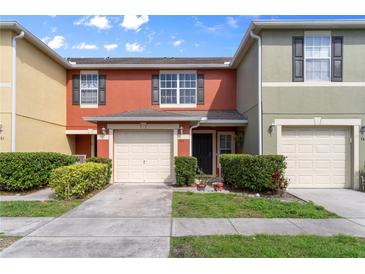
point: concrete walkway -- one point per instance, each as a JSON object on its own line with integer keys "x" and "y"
{"x": 40, "y": 195}
{"x": 251, "y": 226}
{"x": 129, "y": 220}
{"x": 347, "y": 203}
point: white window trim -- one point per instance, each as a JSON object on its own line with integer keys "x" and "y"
{"x": 97, "y": 89}
{"x": 177, "y": 72}
{"x": 318, "y": 121}
{"x": 233, "y": 146}
{"x": 317, "y": 33}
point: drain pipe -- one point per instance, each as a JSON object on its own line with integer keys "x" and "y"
{"x": 259, "y": 103}
{"x": 13, "y": 97}
{"x": 191, "y": 136}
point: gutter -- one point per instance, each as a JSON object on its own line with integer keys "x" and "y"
{"x": 13, "y": 95}
{"x": 191, "y": 137}
{"x": 259, "y": 87}
{"x": 140, "y": 119}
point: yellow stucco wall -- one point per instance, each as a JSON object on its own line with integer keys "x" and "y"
{"x": 5, "y": 89}
{"x": 41, "y": 103}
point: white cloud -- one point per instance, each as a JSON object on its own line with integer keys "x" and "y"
{"x": 232, "y": 22}
{"x": 177, "y": 43}
{"x": 110, "y": 47}
{"x": 134, "y": 22}
{"x": 86, "y": 46}
{"x": 206, "y": 28}
{"x": 100, "y": 22}
{"x": 57, "y": 42}
{"x": 196, "y": 45}
{"x": 133, "y": 47}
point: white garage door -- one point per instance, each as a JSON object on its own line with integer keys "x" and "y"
{"x": 143, "y": 156}
{"x": 317, "y": 156}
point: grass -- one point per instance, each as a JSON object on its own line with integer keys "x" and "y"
{"x": 219, "y": 205}
{"x": 51, "y": 208}
{"x": 265, "y": 246}
{"x": 6, "y": 241}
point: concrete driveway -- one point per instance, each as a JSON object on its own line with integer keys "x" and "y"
{"x": 347, "y": 203}
{"x": 125, "y": 220}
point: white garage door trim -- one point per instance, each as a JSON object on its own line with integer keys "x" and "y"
{"x": 354, "y": 124}
{"x": 142, "y": 126}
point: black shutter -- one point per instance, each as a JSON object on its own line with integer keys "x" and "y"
{"x": 155, "y": 89}
{"x": 75, "y": 89}
{"x": 298, "y": 59}
{"x": 200, "y": 90}
{"x": 337, "y": 58}
{"x": 102, "y": 89}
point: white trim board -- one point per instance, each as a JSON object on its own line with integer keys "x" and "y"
{"x": 354, "y": 124}
{"x": 143, "y": 126}
{"x": 313, "y": 84}
{"x": 81, "y": 131}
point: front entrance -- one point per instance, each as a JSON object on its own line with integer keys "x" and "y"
{"x": 203, "y": 151}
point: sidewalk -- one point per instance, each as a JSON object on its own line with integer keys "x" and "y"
{"x": 251, "y": 226}
{"x": 40, "y": 195}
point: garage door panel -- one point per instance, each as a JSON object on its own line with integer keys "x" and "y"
{"x": 143, "y": 156}
{"x": 316, "y": 156}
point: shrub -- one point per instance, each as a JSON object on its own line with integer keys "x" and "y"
{"x": 21, "y": 171}
{"x": 100, "y": 160}
{"x": 76, "y": 181}
{"x": 253, "y": 172}
{"x": 185, "y": 170}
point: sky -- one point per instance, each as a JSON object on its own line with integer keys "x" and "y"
{"x": 145, "y": 36}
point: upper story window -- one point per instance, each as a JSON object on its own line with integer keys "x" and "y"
{"x": 89, "y": 83}
{"x": 317, "y": 56}
{"x": 178, "y": 88}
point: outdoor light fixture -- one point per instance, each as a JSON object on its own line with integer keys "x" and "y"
{"x": 362, "y": 131}
{"x": 271, "y": 128}
{"x": 181, "y": 130}
{"x": 103, "y": 132}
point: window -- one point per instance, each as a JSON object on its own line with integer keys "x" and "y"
{"x": 89, "y": 88}
{"x": 317, "y": 56}
{"x": 178, "y": 88}
{"x": 226, "y": 143}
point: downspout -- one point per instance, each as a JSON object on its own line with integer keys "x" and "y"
{"x": 259, "y": 103}
{"x": 13, "y": 97}
{"x": 191, "y": 137}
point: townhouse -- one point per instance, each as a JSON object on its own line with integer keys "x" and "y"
{"x": 293, "y": 87}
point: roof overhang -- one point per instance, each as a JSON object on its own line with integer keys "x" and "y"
{"x": 258, "y": 26}
{"x": 139, "y": 119}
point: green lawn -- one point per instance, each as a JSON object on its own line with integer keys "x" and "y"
{"x": 52, "y": 208}
{"x": 265, "y": 246}
{"x": 6, "y": 241}
{"x": 220, "y": 205}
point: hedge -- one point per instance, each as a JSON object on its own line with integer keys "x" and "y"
{"x": 76, "y": 181}
{"x": 185, "y": 170}
{"x": 100, "y": 160}
{"x": 256, "y": 173}
{"x": 22, "y": 171}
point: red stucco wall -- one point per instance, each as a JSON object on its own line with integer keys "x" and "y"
{"x": 131, "y": 89}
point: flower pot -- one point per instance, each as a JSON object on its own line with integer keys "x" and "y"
{"x": 218, "y": 186}
{"x": 201, "y": 186}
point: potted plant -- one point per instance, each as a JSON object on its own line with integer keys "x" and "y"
{"x": 219, "y": 186}
{"x": 202, "y": 180}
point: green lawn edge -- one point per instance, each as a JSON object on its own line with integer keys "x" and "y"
{"x": 223, "y": 205}
{"x": 267, "y": 246}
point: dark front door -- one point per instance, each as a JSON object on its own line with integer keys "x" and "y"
{"x": 202, "y": 150}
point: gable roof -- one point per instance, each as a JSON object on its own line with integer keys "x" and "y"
{"x": 180, "y": 63}
{"x": 257, "y": 26}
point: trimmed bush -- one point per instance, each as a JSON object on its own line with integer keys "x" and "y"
{"x": 100, "y": 160}
{"x": 22, "y": 171}
{"x": 256, "y": 173}
{"x": 76, "y": 181}
{"x": 185, "y": 170}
